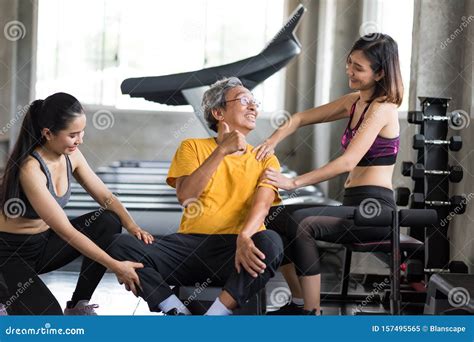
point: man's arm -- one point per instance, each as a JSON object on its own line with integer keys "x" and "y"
{"x": 247, "y": 254}
{"x": 192, "y": 186}
{"x": 262, "y": 201}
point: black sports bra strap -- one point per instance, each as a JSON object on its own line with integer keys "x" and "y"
{"x": 351, "y": 114}
{"x": 362, "y": 116}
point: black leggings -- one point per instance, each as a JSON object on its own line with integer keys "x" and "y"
{"x": 23, "y": 257}
{"x": 302, "y": 228}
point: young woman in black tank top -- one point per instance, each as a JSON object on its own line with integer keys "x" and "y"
{"x": 35, "y": 234}
{"x": 369, "y": 152}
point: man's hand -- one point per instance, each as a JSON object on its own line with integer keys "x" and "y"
{"x": 249, "y": 256}
{"x": 232, "y": 141}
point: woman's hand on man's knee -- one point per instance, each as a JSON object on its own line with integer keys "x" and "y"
{"x": 126, "y": 274}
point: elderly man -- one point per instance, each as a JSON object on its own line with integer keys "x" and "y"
{"x": 222, "y": 239}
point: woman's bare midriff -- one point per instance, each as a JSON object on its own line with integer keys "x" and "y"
{"x": 370, "y": 175}
{"x": 21, "y": 225}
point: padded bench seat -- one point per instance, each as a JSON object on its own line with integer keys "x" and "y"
{"x": 407, "y": 243}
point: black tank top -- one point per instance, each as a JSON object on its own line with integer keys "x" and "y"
{"x": 29, "y": 212}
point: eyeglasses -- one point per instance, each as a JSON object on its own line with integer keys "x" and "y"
{"x": 246, "y": 101}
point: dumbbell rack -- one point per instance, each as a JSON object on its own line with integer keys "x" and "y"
{"x": 433, "y": 187}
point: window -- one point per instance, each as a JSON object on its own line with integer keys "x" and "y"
{"x": 89, "y": 47}
{"x": 385, "y": 16}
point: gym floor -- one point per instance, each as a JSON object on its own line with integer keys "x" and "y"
{"x": 113, "y": 299}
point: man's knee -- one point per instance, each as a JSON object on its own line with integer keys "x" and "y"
{"x": 270, "y": 244}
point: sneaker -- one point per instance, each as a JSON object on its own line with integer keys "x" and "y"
{"x": 3, "y": 310}
{"x": 174, "y": 312}
{"x": 289, "y": 308}
{"x": 82, "y": 308}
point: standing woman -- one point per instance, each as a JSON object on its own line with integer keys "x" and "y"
{"x": 370, "y": 143}
{"x": 36, "y": 236}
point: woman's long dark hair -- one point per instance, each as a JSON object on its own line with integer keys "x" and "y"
{"x": 55, "y": 112}
{"x": 382, "y": 52}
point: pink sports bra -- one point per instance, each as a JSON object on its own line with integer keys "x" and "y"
{"x": 383, "y": 150}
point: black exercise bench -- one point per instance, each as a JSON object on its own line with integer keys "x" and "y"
{"x": 408, "y": 244}
{"x": 396, "y": 219}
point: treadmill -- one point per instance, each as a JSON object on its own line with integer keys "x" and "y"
{"x": 187, "y": 88}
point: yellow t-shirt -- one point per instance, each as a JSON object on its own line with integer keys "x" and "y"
{"x": 226, "y": 200}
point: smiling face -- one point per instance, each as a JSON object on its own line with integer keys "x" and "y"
{"x": 66, "y": 141}
{"x": 360, "y": 74}
{"x": 237, "y": 115}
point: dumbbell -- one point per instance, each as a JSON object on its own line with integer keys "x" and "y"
{"x": 406, "y": 168}
{"x": 414, "y": 271}
{"x": 417, "y": 118}
{"x": 417, "y": 171}
{"x": 456, "y": 266}
{"x": 455, "y": 142}
{"x": 402, "y": 196}
{"x": 456, "y": 203}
